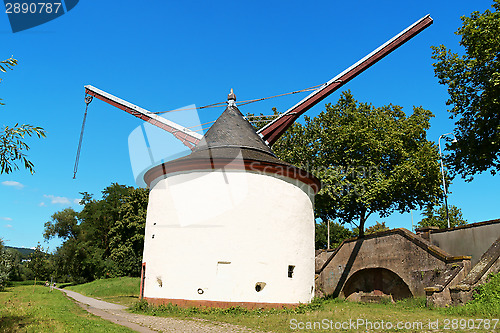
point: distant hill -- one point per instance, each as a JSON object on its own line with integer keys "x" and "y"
{"x": 24, "y": 251}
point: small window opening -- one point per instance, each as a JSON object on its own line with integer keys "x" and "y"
{"x": 259, "y": 286}
{"x": 290, "y": 271}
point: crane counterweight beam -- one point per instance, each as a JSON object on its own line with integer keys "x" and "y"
{"x": 188, "y": 137}
{"x": 272, "y": 131}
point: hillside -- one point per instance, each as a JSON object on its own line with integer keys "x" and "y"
{"x": 25, "y": 252}
{"x": 121, "y": 290}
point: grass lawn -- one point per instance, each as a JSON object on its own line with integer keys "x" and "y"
{"x": 122, "y": 290}
{"x": 323, "y": 315}
{"x": 336, "y": 316}
{"x": 28, "y": 308}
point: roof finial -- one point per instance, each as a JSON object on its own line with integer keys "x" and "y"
{"x": 231, "y": 98}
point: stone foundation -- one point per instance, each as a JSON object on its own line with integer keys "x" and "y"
{"x": 185, "y": 303}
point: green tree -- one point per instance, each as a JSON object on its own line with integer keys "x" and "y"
{"x": 369, "y": 160}
{"x": 13, "y": 147}
{"x": 377, "y": 227}
{"x": 63, "y": 224}
{"x": 40, "y": 264}
{"x": 5, "y": 266}
{"x": 338, "y": 233}
{"x": 105, "y": 239}
{"x": 4, "y": 66}
{"x": 127, "y": 234}
{"x": 99, "y": 216}
{"x": 436, "y": 217}
{"x": 16, "y": 271}
{"x": 473, "y": 81}
{"x": 75, "y": 260}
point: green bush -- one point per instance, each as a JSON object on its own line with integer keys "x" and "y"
{"x": 485, "y": 301}
{"x": 171, "y": 309}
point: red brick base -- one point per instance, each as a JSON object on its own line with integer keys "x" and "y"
{"x": 185, "y": 303}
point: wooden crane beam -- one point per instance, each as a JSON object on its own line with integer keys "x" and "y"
{"x": 272, "y": 131}
{"x": 189, "y": 138}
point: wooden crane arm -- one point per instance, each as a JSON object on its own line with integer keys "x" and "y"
{"x": 272, "y": 131}
{"x": 189, "y": 138}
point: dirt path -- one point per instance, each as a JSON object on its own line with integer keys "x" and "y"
{"x": 147, "y": 324}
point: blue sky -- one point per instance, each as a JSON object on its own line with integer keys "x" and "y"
{"x": 165, "y": 55}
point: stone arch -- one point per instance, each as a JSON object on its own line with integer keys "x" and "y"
{"x": 375, "y": 283}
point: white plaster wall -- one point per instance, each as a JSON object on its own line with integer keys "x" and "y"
{"x": 225, "y": 231}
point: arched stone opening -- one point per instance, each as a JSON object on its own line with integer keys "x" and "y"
{"x": 373, "y": 284}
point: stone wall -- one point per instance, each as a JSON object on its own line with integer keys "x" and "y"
{"x": 488, "y": 264}
{"x": 378, "y": 262}
{"x": 469, "y": 240}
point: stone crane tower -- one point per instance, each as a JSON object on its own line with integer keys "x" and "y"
{"x": 230, "y": 224}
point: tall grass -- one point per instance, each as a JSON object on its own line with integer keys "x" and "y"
{"x": 171, "y": 309}
{"x": 337, "y": 311}
{"x": 30, "y": 308}
{"x": 485, "y": 302}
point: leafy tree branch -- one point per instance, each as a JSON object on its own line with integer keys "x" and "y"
{"x": 473, "y": 81}
{"x": 13, "y": 146}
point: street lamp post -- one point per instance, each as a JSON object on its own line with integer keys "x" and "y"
{"x": 328, "y": 235}
{"x": 445, "y": 194}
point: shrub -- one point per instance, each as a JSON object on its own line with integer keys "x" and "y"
{"x": 485, "y": 301}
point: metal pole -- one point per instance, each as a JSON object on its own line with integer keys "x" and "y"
{"x": 328, "y": 235}
{"x": 412, "y": 227}
{"x": 442, "y": 173}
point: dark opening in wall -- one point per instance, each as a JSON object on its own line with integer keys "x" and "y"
{"x": 290, "y": 271}
{"x": 378, "y": 282}
{"x": 259, "y": 286}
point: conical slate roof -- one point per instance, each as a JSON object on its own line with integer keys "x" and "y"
{"x": 232, "y": 142}
{"x": 231, "y": 130}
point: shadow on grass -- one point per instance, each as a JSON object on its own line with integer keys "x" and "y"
{"x": 66, "y": 284}
{"x": 13, "y": 323}
{"x": 26, "y": 283}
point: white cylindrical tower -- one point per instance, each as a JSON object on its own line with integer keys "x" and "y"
{"x": 229, "y": 224}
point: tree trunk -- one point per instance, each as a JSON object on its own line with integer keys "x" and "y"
{"x": 362, "y": 220}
